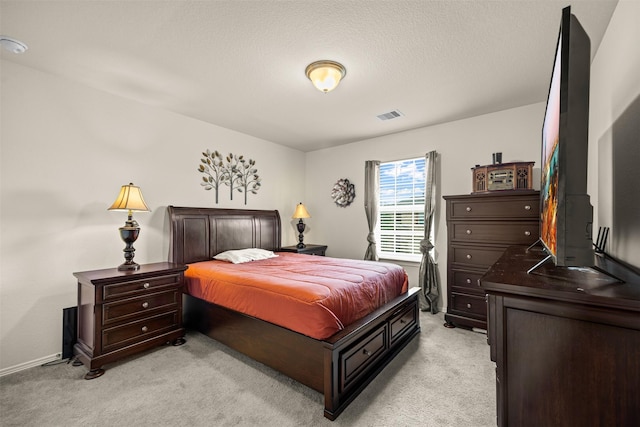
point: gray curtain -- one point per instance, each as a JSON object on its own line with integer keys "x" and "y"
{"x": 371, "y": 200}
{"x": 428, "y": 275}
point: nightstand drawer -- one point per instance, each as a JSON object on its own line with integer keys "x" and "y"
{"x": 483, "y": 257}
{"x": 469, "y": 305}
{"x": 307, "y": 249}
{"x": 134, "y": 332}
{"x": 509, "y": 233}
{"x": 135, "y": 287}
{"x": 143, "y": 306}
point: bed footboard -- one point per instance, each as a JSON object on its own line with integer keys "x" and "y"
{"x": 340, "y": 367}
{"x": 355, "y": 356}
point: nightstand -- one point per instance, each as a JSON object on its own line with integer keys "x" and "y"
{"x": 307, "y": 250}
{"x": 121, "y": 313}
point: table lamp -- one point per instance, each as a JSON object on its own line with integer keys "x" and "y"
{"x": 301, "y": 212}
{"x": 130, "y": 199}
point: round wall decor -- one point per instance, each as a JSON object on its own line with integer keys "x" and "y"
{"x": 343, "y": 193}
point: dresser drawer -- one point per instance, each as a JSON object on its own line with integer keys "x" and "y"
{"x": 466, "y": 281}
{"x": 142, "y": 306}
{"x": 136, "y": 287}
{"x": 134, "y": 332}
{"x": 509, "y": 233}
{"x": 403, "y": 322}
{"x": 495, "y": 208}
{"x": 477, "y": 256}
{"x": 469, "y": 305}
{"x": 353, "y": 362}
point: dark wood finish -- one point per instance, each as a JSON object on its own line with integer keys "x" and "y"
{"x": 121, "y": 313}
{"x": 479, "y": 228}
{"x": 319, "y": 250}
{"x": 330, "y": 366}
{"x": 566, "y": 342}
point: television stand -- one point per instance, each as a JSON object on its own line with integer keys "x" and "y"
{"x": 597, "y": 266}
{"x": 543, "y": 261}
{"x": 565, "y": 342}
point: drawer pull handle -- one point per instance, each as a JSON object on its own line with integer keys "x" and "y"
{"x": 468, "y": 209}
{"x": 145, "y": 304}
{"x": 146, "y": 285}
{"x": 527, "y": 233}
{"x": 468, "y": 281}
{"x": 402, "y": 321}
{"x": 145, "y": 329}
{"x": 527, "y": 208}
{"x": 366, "y": 352}
{"x": 468, "y": 231}
{"x": 469, "y": 256}
{"x": 468, "y": 305}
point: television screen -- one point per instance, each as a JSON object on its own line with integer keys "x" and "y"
{"x": 566, "y": 215}
{"x": 549, "y": 172}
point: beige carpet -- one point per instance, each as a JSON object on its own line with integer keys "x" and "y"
{"x": 442, "y": 378}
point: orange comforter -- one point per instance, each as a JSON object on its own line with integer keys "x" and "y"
{"x": 313, "y": 295}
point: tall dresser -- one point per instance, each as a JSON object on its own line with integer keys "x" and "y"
{"x": 479, "y": 229}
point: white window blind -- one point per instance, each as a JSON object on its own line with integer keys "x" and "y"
{"x": 401, "y": 210}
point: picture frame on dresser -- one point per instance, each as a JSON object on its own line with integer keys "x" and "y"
{"x": 480, "y": 227}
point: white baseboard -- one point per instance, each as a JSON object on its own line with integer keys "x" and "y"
{"x": 31, "y": 364}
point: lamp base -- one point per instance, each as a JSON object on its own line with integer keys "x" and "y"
{"x": 129, "y": 234}
{"x": 129, "y": 266}
{"x": 301, "y": 226}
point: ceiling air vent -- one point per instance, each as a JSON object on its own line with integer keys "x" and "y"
{"x": 394, "y": 114}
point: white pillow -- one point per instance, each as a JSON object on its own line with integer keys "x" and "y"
{"x": 239, "y": 256}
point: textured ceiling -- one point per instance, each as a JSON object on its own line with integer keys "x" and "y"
{"x": 240, "y": 64}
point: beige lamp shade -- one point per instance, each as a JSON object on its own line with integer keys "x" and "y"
{"x": 301, "y": 212}
{"x": 325, "y": 75}
{"x": 130, "y": 199}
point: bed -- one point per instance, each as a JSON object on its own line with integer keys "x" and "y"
{"x": 341, "y": 365}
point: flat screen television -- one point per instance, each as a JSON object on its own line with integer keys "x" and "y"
{"x": 566, "y": 214}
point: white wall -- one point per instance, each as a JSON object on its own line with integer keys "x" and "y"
{"x": 615, "y": 122}
{"x": 461, "y": 145}
{"x": 66, "y": 150}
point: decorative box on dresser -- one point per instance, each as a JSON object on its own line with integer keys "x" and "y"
{"x": 479, "y": 229}
{"x": 121, "y": 313}
{"x": 566, "y": 342}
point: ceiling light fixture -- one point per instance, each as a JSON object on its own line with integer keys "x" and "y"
{"x": 13, "y": 45}
{"x": 325, "y": 75}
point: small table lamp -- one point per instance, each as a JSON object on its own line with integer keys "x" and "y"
{"x": 301, "y": 212}
{"x": 130, "y": 199}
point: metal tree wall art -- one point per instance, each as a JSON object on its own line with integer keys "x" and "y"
{"x": 213, "y": 168}
{"x": 247, "y": 177}
{"x": 236, "y": 172}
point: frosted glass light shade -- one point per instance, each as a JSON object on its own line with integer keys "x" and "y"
{"x": 325, "y": 75}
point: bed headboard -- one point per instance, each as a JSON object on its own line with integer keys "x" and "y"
{"x": 197, "y": 234}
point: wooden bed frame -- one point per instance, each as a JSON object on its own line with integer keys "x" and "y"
{"x": 340, "y": 366}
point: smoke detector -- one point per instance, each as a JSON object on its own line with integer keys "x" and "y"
{"x": 13, "y": 45}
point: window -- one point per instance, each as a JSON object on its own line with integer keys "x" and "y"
{"x": 401, "y": 212}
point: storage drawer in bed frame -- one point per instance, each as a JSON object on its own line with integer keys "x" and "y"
{"x": 357, "y": 358}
